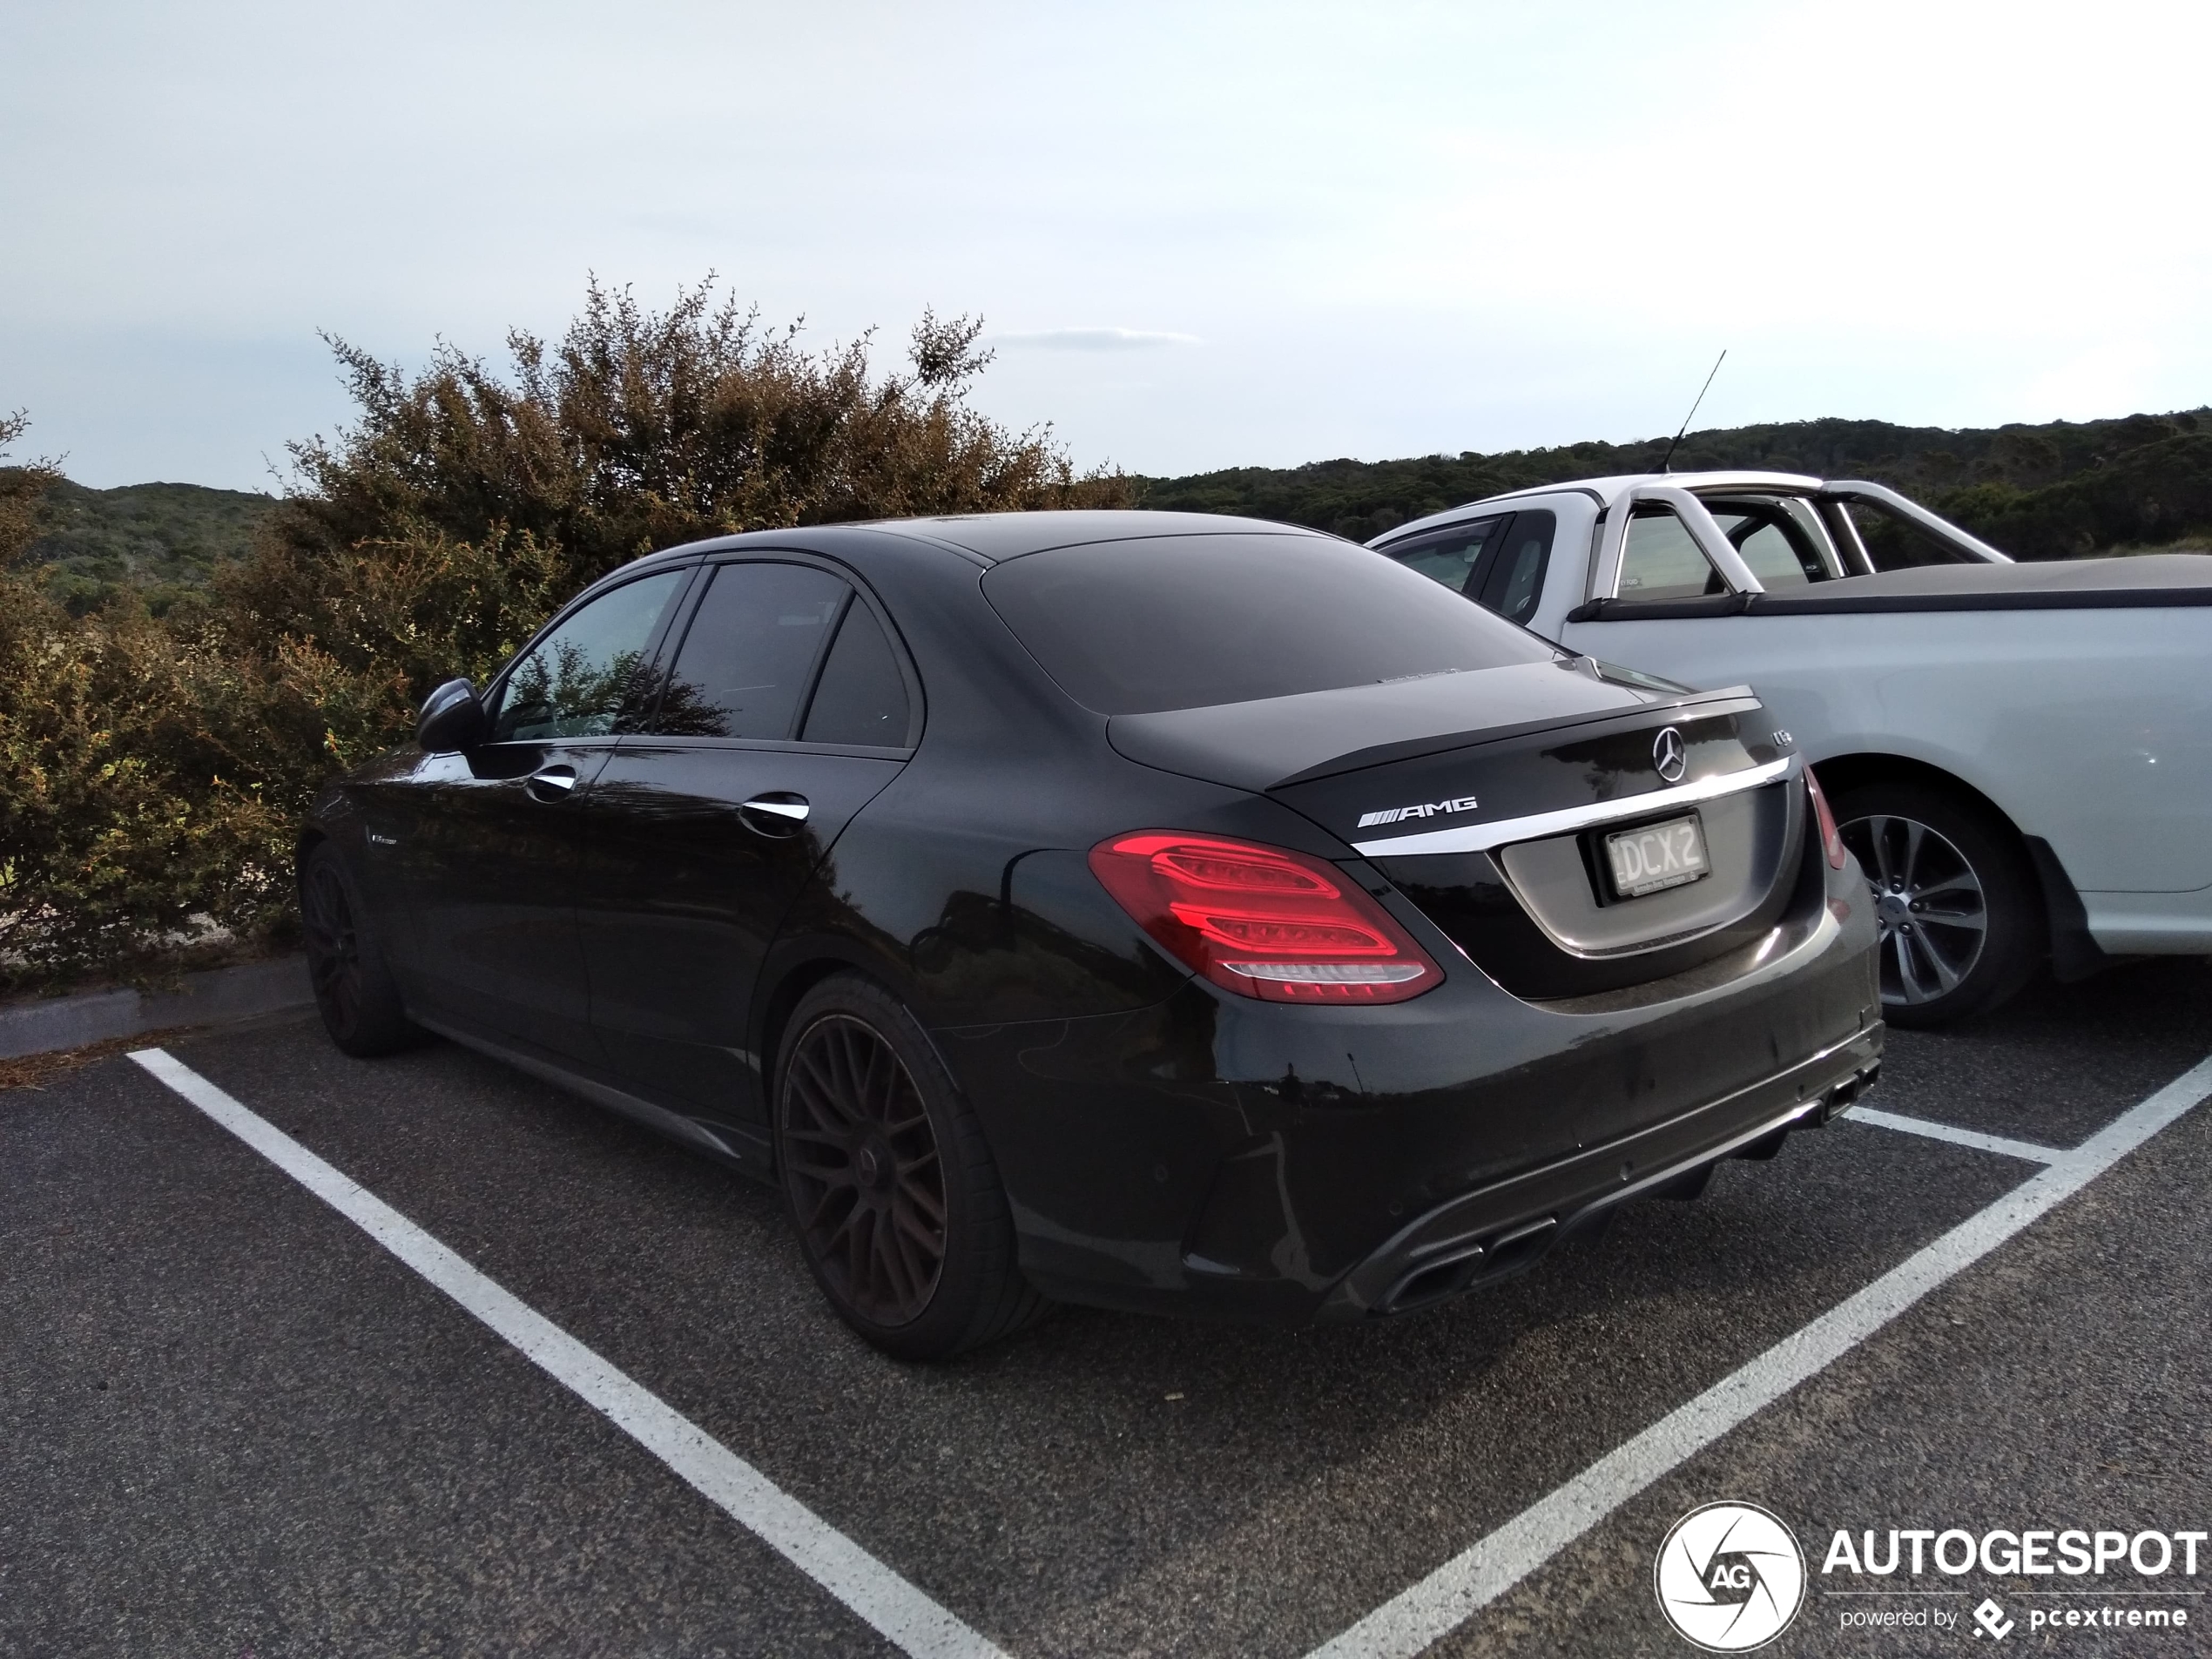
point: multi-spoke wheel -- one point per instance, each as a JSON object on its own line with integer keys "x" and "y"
{"x": 352, "y": 985}
{"x": 866, "y": 1184}
{"x": 1953, "y": 896}
{"x": 891, "y": 1186}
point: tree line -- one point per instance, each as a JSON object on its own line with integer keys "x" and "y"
{"x": 2062, "y": 490}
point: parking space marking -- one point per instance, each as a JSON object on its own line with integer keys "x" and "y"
{"x": 1935, "y": 1131}
{"x": 1453, "y": 1594}
{"x": 902, "y": 1614}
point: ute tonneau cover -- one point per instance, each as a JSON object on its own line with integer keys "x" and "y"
{"x": 2059, "y": 584}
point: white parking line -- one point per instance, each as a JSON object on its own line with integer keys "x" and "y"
{"x": 902, "y": 1614}
{"x": 1975, "y": 1138}
{"x": 1470, "y": 1581}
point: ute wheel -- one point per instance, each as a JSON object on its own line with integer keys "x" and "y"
{"x": 1961, "y": 925}
{"x": 354, "y": 991}
{"x": 892, "y": 1190}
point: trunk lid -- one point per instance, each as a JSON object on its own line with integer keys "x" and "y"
{"x": 1486, "y": 798}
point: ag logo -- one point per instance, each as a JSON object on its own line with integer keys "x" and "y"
{"x": 1730, "y": 1577}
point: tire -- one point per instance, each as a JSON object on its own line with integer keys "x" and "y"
{"x": 892, "y": 1189}
{"x": 354, "y": 991}
{"x": 1961, "y": 916}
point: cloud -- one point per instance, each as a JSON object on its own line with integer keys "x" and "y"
{"x": 1091, "y": 340}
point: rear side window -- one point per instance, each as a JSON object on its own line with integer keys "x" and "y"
{"x": 862, "y": 697}
{"x": 1778, "y": 549}
{"x": 750, "y": 652}
{"x": 1191, "y": 621}
{"x": 578, "y": 680}
{"x": 1661, "y": 561}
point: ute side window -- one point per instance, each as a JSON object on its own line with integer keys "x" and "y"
{"x": 1450, "y": 557}
{"x": 1774, "y": 543}
{"x": 750, "y": 652}
{"x": 581, "y": 679}
{"x": 862, "y": 697}
{"x": 1514, "y": 582}
{"x": 1661, "y": 560}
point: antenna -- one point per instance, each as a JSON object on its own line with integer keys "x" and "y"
{"x": 1666, "y": 463}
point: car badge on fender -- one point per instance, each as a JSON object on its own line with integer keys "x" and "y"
{"x": 1670, "y": 755}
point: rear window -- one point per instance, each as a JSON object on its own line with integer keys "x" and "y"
{"x": 1188, "y": 621}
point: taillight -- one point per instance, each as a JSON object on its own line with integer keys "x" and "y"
{"x": 1261, "y": 921}
{"x": 1832, "y": 841}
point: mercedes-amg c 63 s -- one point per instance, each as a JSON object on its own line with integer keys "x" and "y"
{"x": 1157, "y": 910}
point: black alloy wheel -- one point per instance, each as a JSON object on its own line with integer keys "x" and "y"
{"x": 866, "y": 1180}
{"x": 353, "y": 989}
{"x": 1954, "y": 898}
{"x": 891, "y": 1186}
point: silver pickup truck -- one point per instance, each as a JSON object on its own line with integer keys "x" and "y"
{"x": 2021, "y": 754}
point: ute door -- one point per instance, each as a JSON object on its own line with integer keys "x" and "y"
{"x": 486, "y": 855}
{"x": 789, "y": 705}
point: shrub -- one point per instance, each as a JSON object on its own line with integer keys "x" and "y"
{"x": 154, "y": 771}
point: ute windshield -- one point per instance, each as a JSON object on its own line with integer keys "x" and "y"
{"x": 1184, "y": 622}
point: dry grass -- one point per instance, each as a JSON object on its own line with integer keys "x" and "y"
{"x": 35, "y": 1071}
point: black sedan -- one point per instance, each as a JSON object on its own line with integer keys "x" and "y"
{"x": 1156, "y": 911}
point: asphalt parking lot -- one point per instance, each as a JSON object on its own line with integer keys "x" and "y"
{"x": 232, "y": 1422}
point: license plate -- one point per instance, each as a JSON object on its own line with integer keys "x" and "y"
{"x": 1657, "y": 856}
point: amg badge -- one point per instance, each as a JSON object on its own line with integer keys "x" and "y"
{"x": 1392, "y": 814}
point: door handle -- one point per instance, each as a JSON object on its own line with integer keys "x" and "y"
{"x": 550, "y": 784}
{"x": 777, "y": 813}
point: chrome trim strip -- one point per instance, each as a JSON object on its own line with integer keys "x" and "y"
{"x": 1481, "y": 838}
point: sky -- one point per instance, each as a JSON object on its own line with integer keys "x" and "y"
{"x": 1200, "y": 235}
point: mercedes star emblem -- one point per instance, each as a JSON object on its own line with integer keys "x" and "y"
{"x": 1668, "y": 754}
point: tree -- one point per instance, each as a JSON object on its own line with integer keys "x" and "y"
{"x": 432, "y": 535}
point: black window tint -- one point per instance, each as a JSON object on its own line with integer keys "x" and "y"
{"x": 1447, "y": 557}
{"x": 577, "y": 681}
{"x": 1191, "y": 621}
{"x": 862, "y": 697}
{"x": 750, "y": 651}
{"x": 1515, "y": 581}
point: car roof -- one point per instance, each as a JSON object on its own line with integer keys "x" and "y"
{"x": 996, "y": 537}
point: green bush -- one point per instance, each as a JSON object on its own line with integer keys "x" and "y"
{"x": 153, "y": 769}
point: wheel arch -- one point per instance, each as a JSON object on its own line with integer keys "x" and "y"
{"x": 790, "y": 974}
{"x": 1842, "y": 773}
{"x": 2074, "y": 954}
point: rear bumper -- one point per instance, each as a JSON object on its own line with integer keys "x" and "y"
{"x": 1215, "y": 1156}
{"x": 1497, "y": 1231}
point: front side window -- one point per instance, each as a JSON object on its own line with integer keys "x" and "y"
{"x": 1185, "y": 622}
{"x": 1662, "y": 560}
{"x": 750, "y": 652}
{"x": 1515, "y": 582}
{"x": 578, "y": 680}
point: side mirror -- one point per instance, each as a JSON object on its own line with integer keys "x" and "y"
{"x": 452, "y": 719}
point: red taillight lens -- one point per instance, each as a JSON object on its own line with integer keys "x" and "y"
{"x": 1261, "y": 921}
{"x": 1832, "y": 841}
